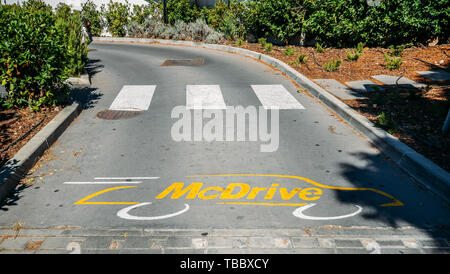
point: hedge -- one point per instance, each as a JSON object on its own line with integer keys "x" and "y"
{"x": 39, "y": 49}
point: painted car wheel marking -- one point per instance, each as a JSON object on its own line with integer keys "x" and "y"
{"x": 299, "y": 213}
{"x": 123, "y": 213}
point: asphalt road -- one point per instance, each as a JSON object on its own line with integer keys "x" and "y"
{"x": 130, "y": 173}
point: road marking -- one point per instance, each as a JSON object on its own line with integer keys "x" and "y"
{"x": 395, "y": 202}
{"x": 85, "y": 199}
{"x": 299, "y": 213}
{"x": 271, "y": 204}
{"x": 204, "y": 97}
{"x": 133, "y": 98}
{"x": 123, "y": 213}
{"x": 100, "y": 183}
{"x": 275, "y": 96}
{"x": 125, "y": 178}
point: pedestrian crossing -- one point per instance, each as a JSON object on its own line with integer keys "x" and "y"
{"x": 139, "y": 97}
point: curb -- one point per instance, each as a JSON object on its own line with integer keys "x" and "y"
{"x": 423, "y": 170}
{"x": 83, "y": 80}
{"x": 17, "y": 167}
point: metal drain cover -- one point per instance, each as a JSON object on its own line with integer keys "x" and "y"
{"x": 117, "y": 114}
{"x": 184, "y": 62}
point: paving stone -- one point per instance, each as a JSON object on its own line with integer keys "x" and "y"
{"x": 403, "y": 82}
{"x": 94, "y": 242}
{"x": 60, "y": 242}
{"x": 390, "y": 243}
{"x": 305, "y": 243}
{"x": 339, "y": 90}
{"x": 143, "y": 242}
{"x": 184, "y": 251}
{"x": 352, "y": 251}
{"x": 14, "y": 243}
{"x": 364, "y": 86}
{"x": 348, "y": 243}
{"x": 400, "y": 251}
{"x": 326, "y": 243}
{"x": 179, "y": 242}
{"x": 268, "y": 242}
{"x": 435, "y": 75}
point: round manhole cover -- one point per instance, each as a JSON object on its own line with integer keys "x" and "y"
{"x": 117, "y": 114}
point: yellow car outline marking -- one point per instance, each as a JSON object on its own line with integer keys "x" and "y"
{"x": 395, "y": 202}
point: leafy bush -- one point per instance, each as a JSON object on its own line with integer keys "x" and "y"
{"x": 277, "y": 18}
{"x": 301, "y": 58}
{"x": 352, "y": 57}
{"x": 36, "y": 53}
{"x": 332, "y": 65}
{"x": 319, "y": 48}
{"x": 268, "y": 47}
{"x": 396, "y": 50}
{"x": 392, "y": 62}
{"x": 228, "y": 18}
{"x": 92, "y": 18}
{"x": 70, "y": 25}
{"x": 342, "y": 22}
{"x": 262, "y": 41}
{"x": 289, "y": 51}
{"x": 385, "y": 122}
{"x": 181, "y": 10}
{"x": 116, "y": 15}
{"x": 240, "y": 42}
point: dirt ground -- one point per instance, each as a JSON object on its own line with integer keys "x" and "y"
{"x": 417, "y": 115}
{"x": 16, "y": 123}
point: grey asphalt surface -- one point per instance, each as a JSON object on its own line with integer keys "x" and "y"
{"x": 314, "y": 144}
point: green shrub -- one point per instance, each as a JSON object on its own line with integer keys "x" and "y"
{"x": 92, "y": 18}
{"x": 277, "y": 18}
{"x": 262, "y": 41}
{"x": 116, "y": 15}
{"x": 70, "y": 25}
{"x": 240, "y": 42}
{"x": 319, "y": 48}
{"x": 396, "y": 50}
{"x": 332, "y": 65}
{"x": 302, "y": 58}
{"x": 385, "y": 122}
{"x": 392, "y": 62}
{"x": 33, "y": 55}
{"x": 268, "y": 47}
{"x": 342, "y": 22}
{"x": 227, "y": 18}
{"x": 352, "y": 57}
{"x": 181, "y": 10}
{"x": 289, "y": 51}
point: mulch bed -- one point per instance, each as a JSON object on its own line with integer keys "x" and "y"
{"x": 418, "y": 116}
{"x": 15, "y": 123}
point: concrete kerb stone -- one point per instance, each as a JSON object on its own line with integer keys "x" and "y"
{"x": 83, "y": 80}
{"x": 17, "y": 167}
{"x": 420, "y": 168}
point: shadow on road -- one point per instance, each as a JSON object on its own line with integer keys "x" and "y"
{"x": 421, "y": 209}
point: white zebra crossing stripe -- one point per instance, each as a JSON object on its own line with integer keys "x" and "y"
{"x": 134, "y": 98}
{"x": 275, "y": 96}
{"x": 204, "y": 97}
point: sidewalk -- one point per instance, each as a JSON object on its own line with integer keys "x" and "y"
{"x": 319, "y": 240}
